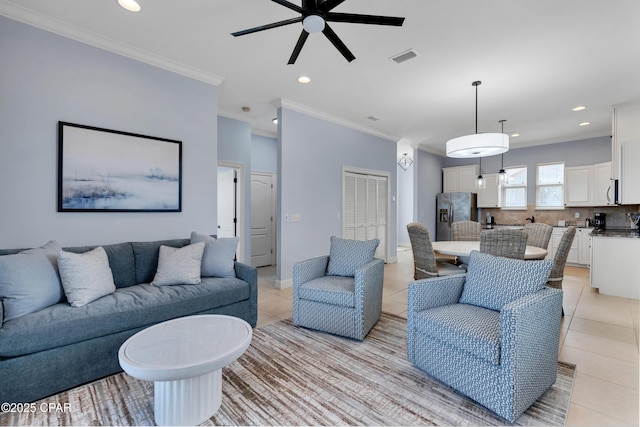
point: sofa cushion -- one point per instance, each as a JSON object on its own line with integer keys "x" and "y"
{"x": 219, "y": 255}
{"x": 127, "y": 308}
{"x": 179, "y": 266}
{"x": 85, "y": 277}
{"x": 346, "y": 256}
{"x": 494, "y": 281}
{"x": 121, "y": 261}
{"x": 468, "y": 328}
{"x": 146, "y": 257}
{"x": 334, "y": 290}
{"x": 29, "y": 281}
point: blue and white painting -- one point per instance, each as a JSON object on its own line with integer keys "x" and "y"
{"x": 102, "y": 170}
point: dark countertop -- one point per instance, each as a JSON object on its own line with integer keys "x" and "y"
{"x": 617, "y": 232}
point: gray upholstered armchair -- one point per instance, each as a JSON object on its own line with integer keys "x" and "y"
{"x": 341, "y": 293}
{"x": 492, "y": 335}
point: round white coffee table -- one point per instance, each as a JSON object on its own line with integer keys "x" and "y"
{"x": 184, "y": 358}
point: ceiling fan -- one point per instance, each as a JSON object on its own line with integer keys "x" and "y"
{"x": 315, "y": 15}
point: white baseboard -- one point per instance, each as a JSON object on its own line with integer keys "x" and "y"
{"x": 284, "y": 284}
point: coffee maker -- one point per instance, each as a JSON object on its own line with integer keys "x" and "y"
{"x": 599, "y": 221}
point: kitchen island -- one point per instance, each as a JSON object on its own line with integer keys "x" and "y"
{"x": 615, "y": 263}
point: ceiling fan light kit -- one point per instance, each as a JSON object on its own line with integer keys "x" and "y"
{"x": 314, "y": 16}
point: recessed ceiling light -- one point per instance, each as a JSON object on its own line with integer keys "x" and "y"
{"x": 515, "y": 135}
{"x": 579, "y": 108}
{"x": 304, "y": 80}
{"x": 130, "y": 5}
{"x": 585, "y": 123}
{"x": 275, "y": 120}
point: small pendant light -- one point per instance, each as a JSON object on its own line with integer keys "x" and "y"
{"x": 481, "y": 183}
{"x": 502, "y": 175}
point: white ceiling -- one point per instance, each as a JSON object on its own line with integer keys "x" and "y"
{"x": 536, "y": 60}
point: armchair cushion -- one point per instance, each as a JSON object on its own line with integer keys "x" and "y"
{"x": 346, "y": 256}
{"x": 494, "y": 281}
{"x": 471, "y": 329}
{"x": 334, "y": 290}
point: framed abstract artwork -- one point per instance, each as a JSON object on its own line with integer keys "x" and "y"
{"x": 103, "y": 170}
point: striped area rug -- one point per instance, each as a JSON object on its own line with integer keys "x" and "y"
{"x": 295, "y": 376}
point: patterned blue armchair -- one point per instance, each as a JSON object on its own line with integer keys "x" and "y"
{"x": 491, "y": 334}
{"x": 341, "y": 293}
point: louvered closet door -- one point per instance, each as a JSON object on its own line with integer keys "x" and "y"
{"x": 365, "y": 209}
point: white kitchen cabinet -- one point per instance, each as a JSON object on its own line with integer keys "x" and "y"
{"x": 460, "y": 178}
{"x": 584, "y": 245}
{"x": 578, "y": 186}
{"x": 602, "y": 184}
{"x": 574, "y": 251}
{"x": 489, "y": 197}
{"x": 613, "y": 267}
{"x": 626, "y": 151}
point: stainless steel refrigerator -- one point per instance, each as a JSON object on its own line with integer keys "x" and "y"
{"x": 452, "y": 207}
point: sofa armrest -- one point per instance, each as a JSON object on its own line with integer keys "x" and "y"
{"x": 530, "y": 337}
{"x": 368, "y": 281}
{"x": 309, "y": 269}
{"x": 249, "y": 274}
{"x": 435, "y": 292}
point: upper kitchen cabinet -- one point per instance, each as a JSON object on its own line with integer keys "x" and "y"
{"x": 578, "y": 186}
{"x": 460, "y": 178}
{"x": 489, "y": 197}
{"x": 626, "y": 151}
{"x": 602, "y": 195}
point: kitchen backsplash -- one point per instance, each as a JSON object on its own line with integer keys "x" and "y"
{"x": 616, "y": 215}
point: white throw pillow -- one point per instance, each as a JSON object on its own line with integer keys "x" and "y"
{"x": 179, "y": 266}
{"x": 85, "y": 277}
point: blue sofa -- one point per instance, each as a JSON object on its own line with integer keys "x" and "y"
{"x": 60, "y": 346}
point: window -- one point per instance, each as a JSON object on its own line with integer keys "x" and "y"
{"x": 550, "y": 186}
{"x": 514, "y": 193}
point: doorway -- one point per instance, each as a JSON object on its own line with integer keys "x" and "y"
{"x": 230, "y": 204}
{"x": 263, "y": 213}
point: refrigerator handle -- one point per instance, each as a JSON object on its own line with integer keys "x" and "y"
{"x": 450, "y": 213}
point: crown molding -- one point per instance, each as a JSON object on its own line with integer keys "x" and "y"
{"x": 47, "y": 23}
{"x": 301, "y": 108}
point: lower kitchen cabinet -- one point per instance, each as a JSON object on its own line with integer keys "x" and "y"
{"x": 615, "y": 269}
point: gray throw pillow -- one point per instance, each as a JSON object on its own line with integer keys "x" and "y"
{"x": 346, "y": 256}
{"x": 179, "y": 266}
{"x": 219, "y": 255}
{"x": 493, "y": 281}
{"x": 29, "y": 281}
{"x": 86, "y": 276}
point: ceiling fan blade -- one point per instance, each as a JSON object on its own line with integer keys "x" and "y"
{"x": 267, "y": 27}
{"x": 333, "y": 38}
{"x": 355, "y": 18}
{"x": 328, "y": 5}
{"x": 296, "y": 51}
{"x": 290, "y": 5}
{"x": 310, "y": 5}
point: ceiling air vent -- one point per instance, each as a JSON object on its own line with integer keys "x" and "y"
{"x": 404, "y": 56}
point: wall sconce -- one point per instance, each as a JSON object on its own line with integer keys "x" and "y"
{"x": 405, "y": 161}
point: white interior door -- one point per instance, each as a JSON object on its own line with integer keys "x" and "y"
{"x": 227, "y": 201}
{"x": 365, "y": 209}
{"x": 262, "y": 219}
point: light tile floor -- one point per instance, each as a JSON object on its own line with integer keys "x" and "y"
{"x": 600, "y": 334}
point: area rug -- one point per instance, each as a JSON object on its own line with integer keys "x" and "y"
{"x": 295, "y": 376}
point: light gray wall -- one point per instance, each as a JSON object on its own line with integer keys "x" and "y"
{"x": 311, "y": 156}
{"x": 427, "y": 185}
{"x": 406, "y": 199}
{"x": 264, "y": 154}
{"x": 573, "y": 153}
{"x": 45, "y": 78}
{"x": 234, "y": 145}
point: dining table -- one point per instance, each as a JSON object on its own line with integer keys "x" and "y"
{"x": 463, "y": 248}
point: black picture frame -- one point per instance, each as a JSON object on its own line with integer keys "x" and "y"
{"x": 105, "y": 170}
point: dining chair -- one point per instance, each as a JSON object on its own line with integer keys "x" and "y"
{"x": 424, "y": 260}
{"x": 466, "y": 230}
{"x": 560, "y": 259}
{"x": 539, "y": 234}
{"x": 504, "y": 242}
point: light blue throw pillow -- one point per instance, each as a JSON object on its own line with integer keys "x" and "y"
{"x": 493, "y": 281}
{"x": 29, "y": 281}
{"x": 219, "y": 255}
{"x": 346, "y": 256}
